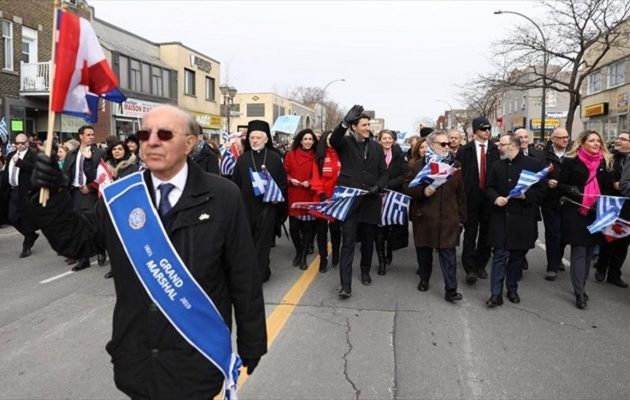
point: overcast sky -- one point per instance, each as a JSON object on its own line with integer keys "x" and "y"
{"x": 398, "y": 57}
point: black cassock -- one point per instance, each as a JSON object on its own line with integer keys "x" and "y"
{"x": 264, "y": 218}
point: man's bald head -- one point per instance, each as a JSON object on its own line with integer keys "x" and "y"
{"x": 523, "y": 135}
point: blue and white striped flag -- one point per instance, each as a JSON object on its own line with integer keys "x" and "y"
{"x": 608, "y": 209}
{"x": 225, "y": 135}
{"x": 342, "y": 200}
{"x": 273, "y": 194}
{"x": 395, "y": 208}
{"x": 434, "y": 174}
{"x": 228, "y": 162}
{"x": 258, "y": 182}
{"x": 527, "y": 179}
{"x": 4, "y": 130}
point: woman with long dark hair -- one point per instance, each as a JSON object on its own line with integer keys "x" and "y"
{"x": 586, "y": 174}
{"x": 298, "y": 164}
{"x": 326, "y": 169}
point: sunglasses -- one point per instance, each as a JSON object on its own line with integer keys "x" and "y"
{"x": 20, "y": 142}
{"x": 443, "y": 144}
{"x": 162, "y": 134}
{"x": 484, "y": 129}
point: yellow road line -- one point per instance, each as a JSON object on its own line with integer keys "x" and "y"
{"x": 280, "y": 315}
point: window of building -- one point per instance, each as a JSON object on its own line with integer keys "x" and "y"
{"x": 166, "y": 83}
{"x": 282, "y": 111}
{"x": 594, "y": 82}
{"x": 29, "y": 45}
{"x": 135, "y": 76}
{"x": 209, "y": 88}
{"x": 189, "y": 82}
{"x": 255, "y": 110}
{"x": 7, "y": 44}
{"x": 123, "y": 72}
{"x": 157, "y": 85}
{"x": 276, "y": 112}
{"x": 146, "y": 78}
{"x": 616, "y": 74}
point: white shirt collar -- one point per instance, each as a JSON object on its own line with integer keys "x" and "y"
{"x": 179, "y": 180}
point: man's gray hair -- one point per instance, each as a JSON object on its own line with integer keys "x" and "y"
{"x": 432, "y": 135}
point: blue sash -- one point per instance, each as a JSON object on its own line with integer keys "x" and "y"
{"x": 166, "y": 279}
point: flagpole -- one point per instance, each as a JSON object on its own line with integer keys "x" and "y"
{"x": 44, "y": 193}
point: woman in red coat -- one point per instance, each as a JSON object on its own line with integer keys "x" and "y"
{"x": 298, "y": 164}
{"x": 326, "y": 169}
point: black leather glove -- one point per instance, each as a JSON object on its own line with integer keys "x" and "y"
{"x": 574, "y": 191}
{"x": 47, "y": 173}
{"x": 374, "y": 190}
{"x": 353, "y": 115}
{"x": 251, "y": 364}
{"x": 323, "y": 197}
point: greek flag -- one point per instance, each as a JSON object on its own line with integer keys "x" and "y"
{"x": 527, "y": 179}
{"x": 608, "y": 209}
{"x": 4, "y": 131}
{"x": 434, "y": 174}
{"x": 272, "y": 194}
{"x": 228, "y": 162}
{"x": 342, "y": 200}
{"x": 225, "y": 135}
{"x": 395, "y": 208}
{"x": 258, "y": 182}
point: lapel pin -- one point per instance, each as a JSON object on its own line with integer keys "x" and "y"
{"x": 204, "y": 217}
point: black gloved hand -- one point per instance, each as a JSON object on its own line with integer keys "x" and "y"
{"x": 323, "y": 197}
{"x": 251, "y": 364}
{"x": 353, "y": 115}
{"x": 374, "y": 190}
{"x": 574, "y": 191}
{"x": 47, "y": 173}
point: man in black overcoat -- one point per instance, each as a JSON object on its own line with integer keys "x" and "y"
{"x": 476, "y": 250}
{"x": 513, "y": 220}
{"x": 16, "y": 187}
{"x": 363, "y": 167}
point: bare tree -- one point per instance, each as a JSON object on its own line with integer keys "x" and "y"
{"x": 578, "y": 35}
{"x": 311, "y": 96}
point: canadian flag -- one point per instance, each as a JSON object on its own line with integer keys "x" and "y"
{"x": 103, "y": 177}
{"x": 618, "y": 229}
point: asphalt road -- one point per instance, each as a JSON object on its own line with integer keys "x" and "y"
{"x": 389, "y": 341}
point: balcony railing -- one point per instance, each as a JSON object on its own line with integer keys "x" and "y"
{"x": 35, "y": 78}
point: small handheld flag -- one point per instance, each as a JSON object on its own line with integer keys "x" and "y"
{"x": 608, "y": 209}
{"x": 4, "y": 130}
{"x": 272, "y": 194}
{"x": 395, "y": 208}
{"x": 228, "y": 162}
{"x": 528, "y": 179}
{"x": 434, "y": 174}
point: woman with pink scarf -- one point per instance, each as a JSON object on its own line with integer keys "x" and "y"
{"x": 586, "y": 174}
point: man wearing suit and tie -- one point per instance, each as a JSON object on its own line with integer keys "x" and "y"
{"x": 477, "y": 158}
{"x": 16, "y": 185}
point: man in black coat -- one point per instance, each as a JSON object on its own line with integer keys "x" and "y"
{"x": 203, "y": 155}
{"x": 208, "y": 229}
{"x": 527, "y": 149}
{"x": 80, "y": 167}
{"x": 476, "y": 250}
{"x": 513, "y": 220}
{"x": 363, "y": 167}
{"x": 551, "y": 207}
{"x": 264, "y": 218}
{"x": 16, "y": 186}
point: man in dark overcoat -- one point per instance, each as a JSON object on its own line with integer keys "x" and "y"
{"x": 16, "y": 187}
{"x": 476, "y": 250}
{"x": 208, "y": 229}
{"x": 363, "y": 167}
{"x": 513, "y": 220}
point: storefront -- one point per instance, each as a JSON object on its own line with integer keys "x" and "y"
{"x": 210, "y": 125}
{"x": 128, "y": 115}
{"x": 599, "y": 120}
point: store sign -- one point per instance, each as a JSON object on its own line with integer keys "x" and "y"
{"x": 17, "y": 125}
{"x": 518, "y": 123}
{"x": 622, "y": 102}
{"x": 200, "y": 63}
{"x": 71, "y": 124}
{"x": 550, "y": 123}
{"x": 134, "y": 108}
{"x": 557, "y": 114}
{"x": 595, "y": 110}
{"x": 209, "y": 121}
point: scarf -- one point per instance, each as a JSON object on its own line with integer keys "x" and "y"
{"x": 388, "y": 156}
{"x": 591, "y": 188}
{"x": 433, "y": 156}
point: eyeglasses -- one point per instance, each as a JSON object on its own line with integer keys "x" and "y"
{"x": 162, "y": 134}
{"x": 443, "y": 144}
{"x": 485, "y": 129}
{"x": 560, "y": 137}
{"x": 623, "y": 139}
{"x": 20, "y": 142}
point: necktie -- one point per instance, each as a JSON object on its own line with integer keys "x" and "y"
{"x": 14, "y": 177}
{"x": 81, "y": 163}
{"x": 482, "y": 167}
{"x": 165, "y": 204}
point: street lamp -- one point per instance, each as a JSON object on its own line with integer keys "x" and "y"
{"x": 321, "y": 111}
{"x": 228, "y": 92}
{"x": 544, "y": 82}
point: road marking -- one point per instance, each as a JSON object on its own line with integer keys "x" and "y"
{"x": 54, "y": 278}
{"x": 280, "y": 315}
{"x": 565, "y": 262}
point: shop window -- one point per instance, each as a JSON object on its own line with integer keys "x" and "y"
{"x": 255, "y": 110}
{"x": 123, "y": 72}
{"x": 594, "y": 82}
{"x": 616, "y": 74}
{"x": 7, "y": 44}
{"x": 135, "y": 76}
{"x": 209, "y": 88}
{"x": 189, "y": 82}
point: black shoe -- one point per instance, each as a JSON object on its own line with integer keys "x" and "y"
{"x": 25, "y": 252}
{"x": 381, "y": 268}
{"x": 482, "y": 274}
{"x": 452, "y": 296}
{"x": 513, "y": 297}
{"x": 108, "y": 275}
{"x": 423, "y": 286}
{"x": 101, "y": 258}
{"x": 71, "y": 261}
{"x": 494, "y": 301}
{"x": 580, "y": 302}
{"x": 600, "y": 275}
{"x": 81, "y": 265}
{"x": 366, "y": 279}
{"x": 551, "y": 276}
{"x": 561, "y": 268}
{"x": 525, "y": 265}
{"x": 619, "y": 282}
{"x": 471, "y": 278}
{"x": 345, "y": 293}
{"x": 323, "y": 264}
